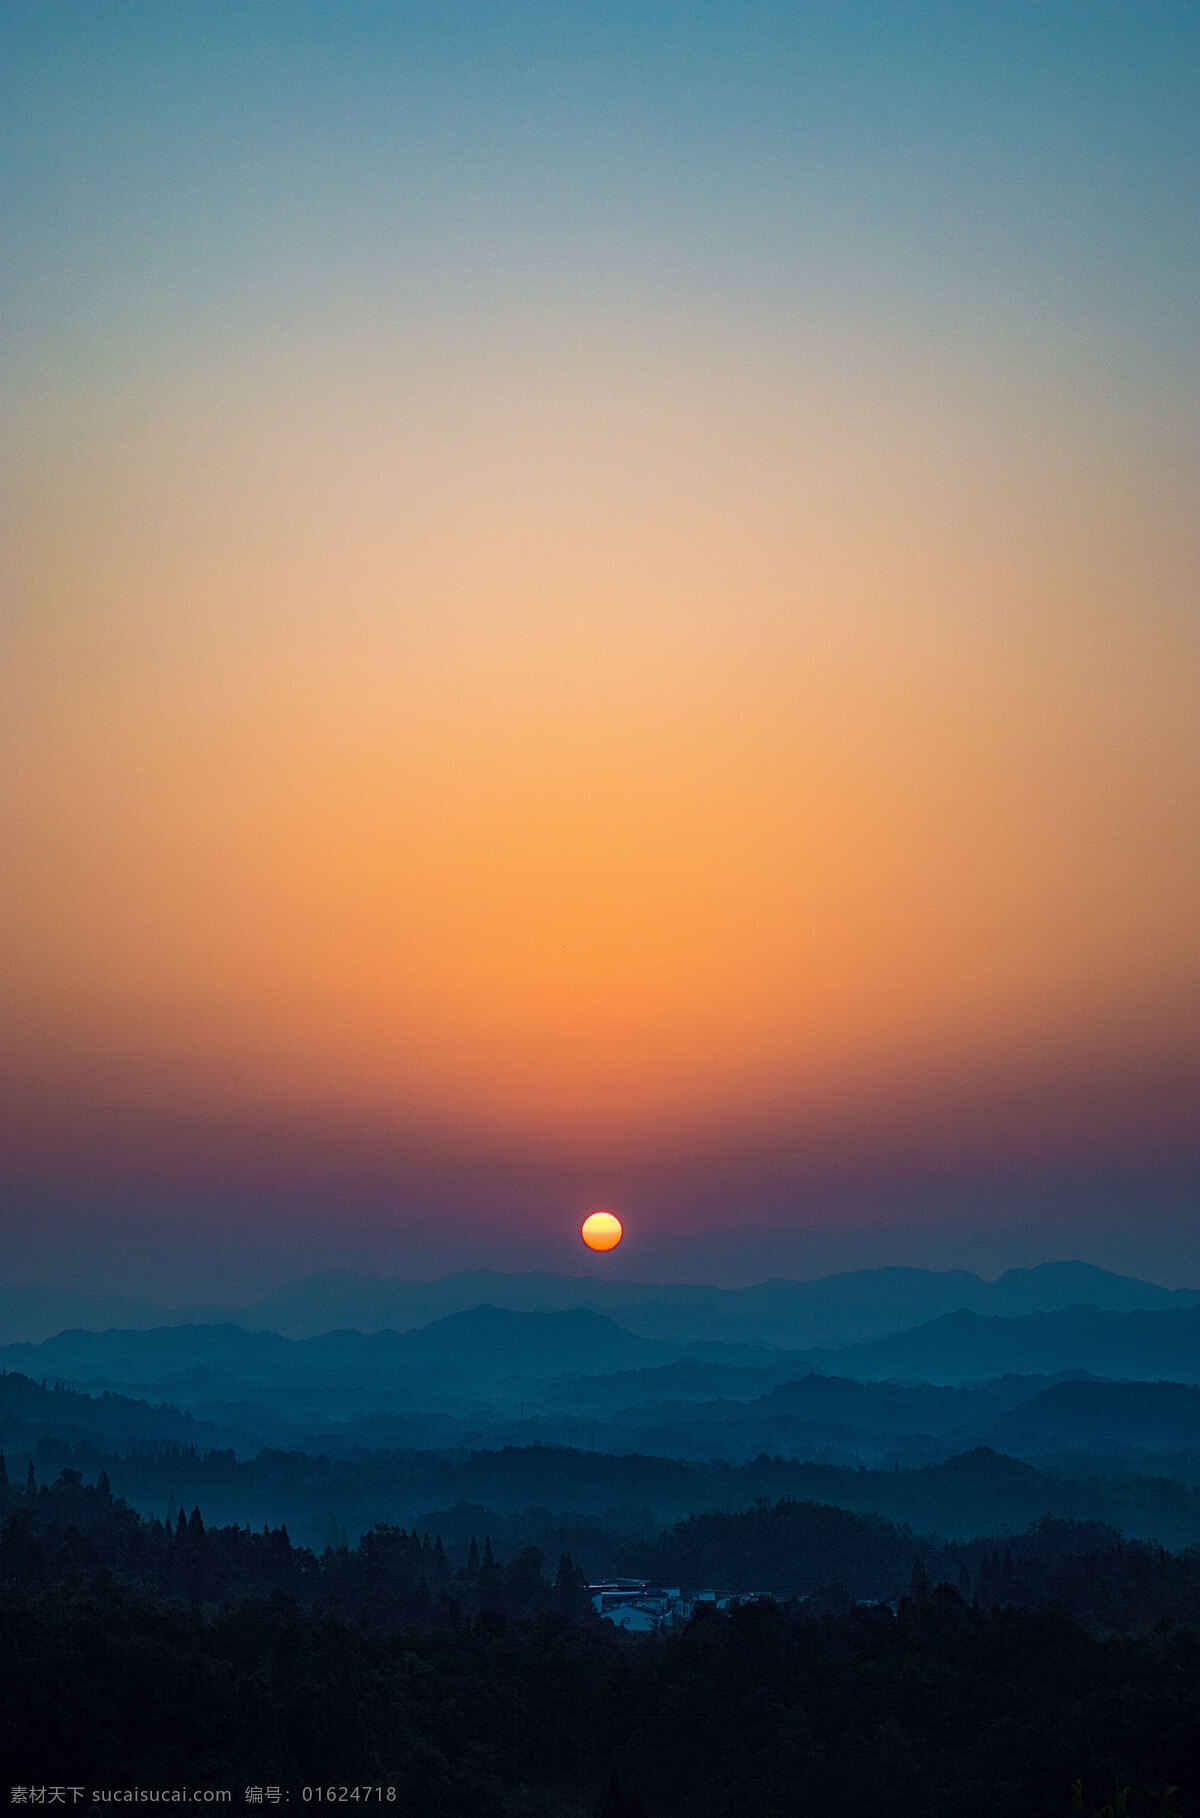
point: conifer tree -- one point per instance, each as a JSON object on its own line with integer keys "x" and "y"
{"x": 491, "y": 1580}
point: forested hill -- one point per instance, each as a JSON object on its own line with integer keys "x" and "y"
{"x": 975, "y": 1492}
{"x": 807, "y": 1549}
{"x": 64, "y": 1533}
{"x": 136, "y": 1654}
{"x": 32, "y": 1410}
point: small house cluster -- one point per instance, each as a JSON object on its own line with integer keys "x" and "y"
{"x": 640, "y": 1606}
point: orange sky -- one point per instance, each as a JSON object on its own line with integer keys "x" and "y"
{"x": 540, "y": 621}
{"x": 602, "y": 760}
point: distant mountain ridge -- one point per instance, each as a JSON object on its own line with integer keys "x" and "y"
{"x": 492, "y": 1375}
{"x": 30, "y": 1411}
{"x": 482, "y": 1341}
{"x": 1157, "y": 1415}
{"x": 346, "y": 1394}
{"x": 831, "y": 1311}
{"x": 965, "y": 1347}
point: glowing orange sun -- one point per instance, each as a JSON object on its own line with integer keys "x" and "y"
{"x": 601, "y": 1231}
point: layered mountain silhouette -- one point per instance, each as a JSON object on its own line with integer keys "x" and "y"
{"x": 483, "y": 1342}
{"x": 31, "y": 1411}
{"x": 832, "y": 1311}
{"x": 835, "y": 1310}
{"x": 964, "y": 1347}
{"x": 494, "y": 1376}
{"x": 1160, "y": 1416}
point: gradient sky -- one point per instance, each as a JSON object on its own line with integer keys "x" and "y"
{"x": 600, "y": 604}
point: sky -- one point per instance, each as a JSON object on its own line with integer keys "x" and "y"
{"x": 599, "y": 607}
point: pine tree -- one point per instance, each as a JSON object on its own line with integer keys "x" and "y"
{"x": 491, "y": 1580}
{"x": 571, "y": 1596}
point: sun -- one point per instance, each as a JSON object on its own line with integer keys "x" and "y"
{"x": 601, "y": 1231}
